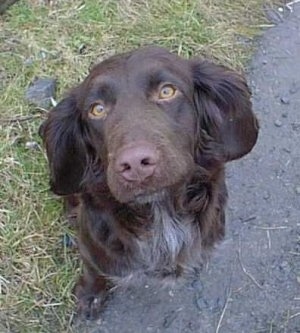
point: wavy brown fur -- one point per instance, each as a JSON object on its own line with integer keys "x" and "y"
{"x": 132, "y": 221}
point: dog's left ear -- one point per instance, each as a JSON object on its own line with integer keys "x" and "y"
{"x": 222, "y": 99}
{"x": 66, "y": 146}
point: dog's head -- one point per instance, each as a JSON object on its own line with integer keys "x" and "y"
{"x": 143, "y": 121}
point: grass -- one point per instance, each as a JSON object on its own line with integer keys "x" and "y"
{"x": 37, "y": 271}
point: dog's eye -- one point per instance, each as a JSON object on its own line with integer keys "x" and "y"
{"x": 167, "y": 91}
{"x": 98, "y": 111}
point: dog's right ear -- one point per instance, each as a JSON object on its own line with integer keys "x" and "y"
{"x": 63, "y": 136}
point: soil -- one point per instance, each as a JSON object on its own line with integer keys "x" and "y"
{"x": 252, "y": 283}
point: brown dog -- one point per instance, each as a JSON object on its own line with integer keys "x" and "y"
{"x": 142, "y": 143}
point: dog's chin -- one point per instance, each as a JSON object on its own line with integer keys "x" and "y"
{"x": 143, "y": 197}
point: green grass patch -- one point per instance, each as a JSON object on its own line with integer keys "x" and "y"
{"x": 37, "y": 272}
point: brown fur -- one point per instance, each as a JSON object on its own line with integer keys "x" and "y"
{"x": 162, "y": 225}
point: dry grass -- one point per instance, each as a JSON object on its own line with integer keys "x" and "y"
{"x": 37, "y": 271}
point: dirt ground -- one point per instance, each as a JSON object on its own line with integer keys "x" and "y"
{"x": 252, "y": 284}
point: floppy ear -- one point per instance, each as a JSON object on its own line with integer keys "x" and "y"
{"x": 63, "y": 137}
{"x": 222, "y": 99}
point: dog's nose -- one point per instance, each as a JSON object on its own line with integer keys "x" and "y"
{"x": 137, "y": 163}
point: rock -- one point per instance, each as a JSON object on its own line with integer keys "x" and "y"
{"x": 41, "y": 91}
{"x": 297, "y": 190}
{"x": 278, "y": 123}
{"x": 287, "y": 150}
{"x": 197, "y": 285}
{"x": 4, "y": 4}
{"x": 82, "y": 49}
{"x": 296, "y": 127}
{"x": 201, "y": 303}
{"x": 169, "y": 319}
{"x": 285, "y": 100}
{"x": 295, "y": 87}
{"x": 31, "y": 145}
{"x": 28, "y": 62}
{"x": 43, "y": 54}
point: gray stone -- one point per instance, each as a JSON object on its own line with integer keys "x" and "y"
{"x": 41, "y": 91}
{"x": 295, "y": 87}
{"x": 28, "y": 62}
{"x": 4, "y": 4}
{"x": 285, "y": 100}
{"x": 31, "y": 145}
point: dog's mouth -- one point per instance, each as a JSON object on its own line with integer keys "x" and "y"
{"x": 146, "y": 198}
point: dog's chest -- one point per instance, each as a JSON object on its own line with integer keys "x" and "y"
{"x": 169, "y": 242}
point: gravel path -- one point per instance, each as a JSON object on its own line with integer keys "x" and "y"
{"x": 253, "y": 282}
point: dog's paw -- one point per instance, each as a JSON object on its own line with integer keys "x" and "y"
{"x": 91, "y": 291}
{"x": 89, "y": 307}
